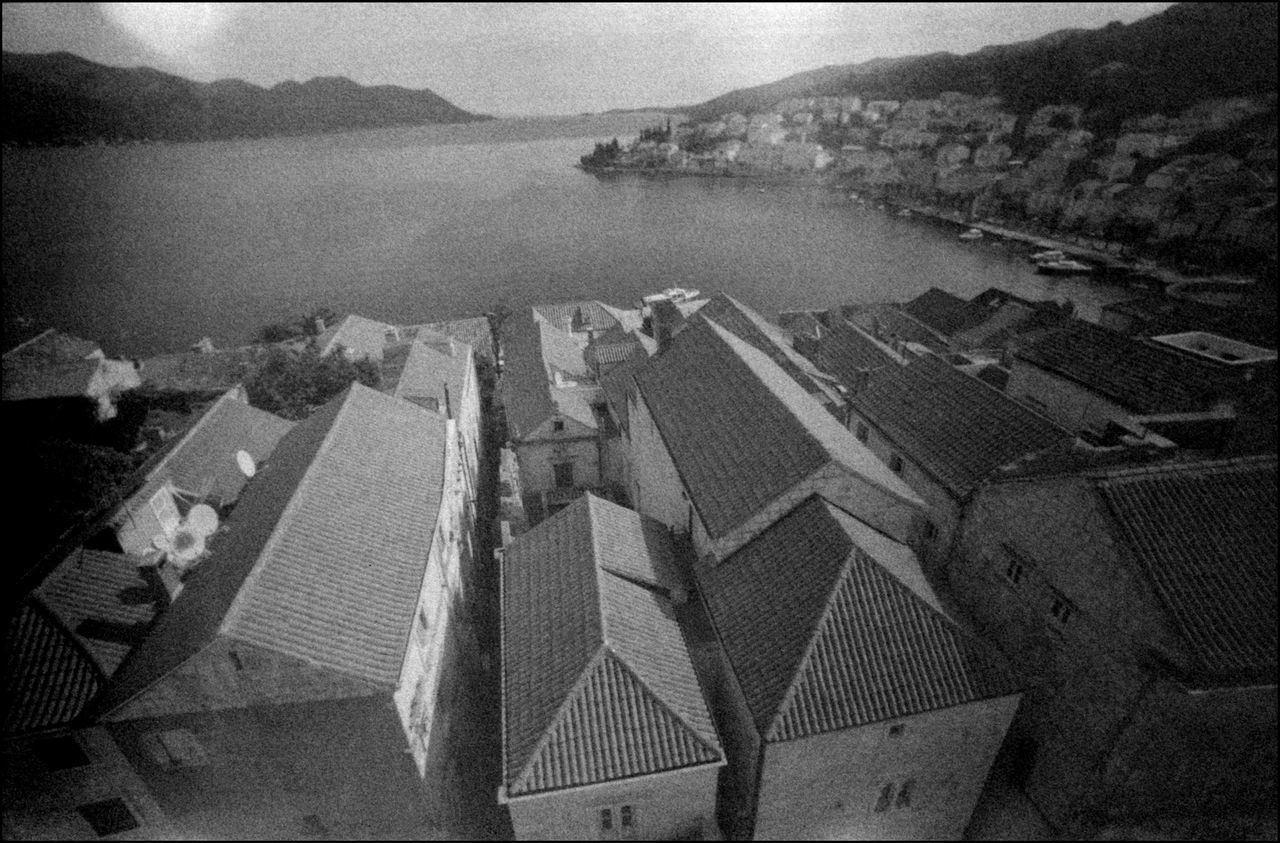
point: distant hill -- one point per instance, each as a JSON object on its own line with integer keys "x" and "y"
{"x": 60, "y": 98}
{"x": 1161, "y": 64}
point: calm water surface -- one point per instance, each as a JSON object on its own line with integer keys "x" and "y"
{"x": 148, "y": 248}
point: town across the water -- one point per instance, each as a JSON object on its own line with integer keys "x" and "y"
{"x": 935, "y": 569}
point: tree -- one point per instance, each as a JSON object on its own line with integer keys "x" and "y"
{"x": 293, "y": 382}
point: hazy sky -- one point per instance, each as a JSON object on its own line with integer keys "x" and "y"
{"x": 517, "y": 58}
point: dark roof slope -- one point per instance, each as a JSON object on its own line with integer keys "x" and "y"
{"x": 850, "y": 354}
{"x": 751, "y": 327}
{"x": 955, "y": 427}
{"x": 598, "y": 683}
{"x": 740, "y": 431}
{"x": 48, "y": 679}
{"x": 1205, "y": 535}
{"x": 828, "y": 624}
{"x": 1138, "y": 375}
{"x": 938, "y": 309}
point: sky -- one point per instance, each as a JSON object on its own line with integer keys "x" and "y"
{"x": 529, "y": 58}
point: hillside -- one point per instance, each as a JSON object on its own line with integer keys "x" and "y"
{"x": 60, "y": 98}
{"x": 1189, "y": 52}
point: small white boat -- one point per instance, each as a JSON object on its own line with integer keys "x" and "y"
{"x": 1048, "y": 255}
{"x": 905, "y": 212}
{"x": 972, "y": 234}
{"x": 1063, "y": 267}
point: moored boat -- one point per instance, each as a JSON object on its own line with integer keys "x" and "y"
{"x": 1048, "y": 255}
{"x": 972, "y": 234}
{"x": 1063, "y": 267}
{"x": 675, "y": 295}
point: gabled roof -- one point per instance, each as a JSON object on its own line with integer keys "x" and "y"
{"x": 850, "y": 354}
{"x": 888, "y": 322}
{"x": 578, "y": 315}
{"x": 753, "y": 329}
{"x": 475, "y": 331}
{"x": 360, "y": 336}
{"x": 829, "y": 625}
{"x": 323, "y": 557}
{"x": 425, "y": 373}
{"x": 1140, "y": 376}
{"x": 534, "y": 352}
{"x": 102, "y": 600}
{"x": 196, "y": 371}
{"x": 995, "y": 326}
{"x": 30, "y": 379}
{"x": 48, "y": 679}
{"x": 53, "y": 346}
{"x": 1204, "y": 534}
{"x": 740, "y": 431}
{"x": 938, "y": 309}
{"x": 204, "y": 460}
{"x": 955, "y": 427}
{"x": 598, "y": 684}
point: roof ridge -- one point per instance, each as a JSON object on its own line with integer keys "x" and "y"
{"x": 236, "y": 609}
{"x": 1104, "y": 475}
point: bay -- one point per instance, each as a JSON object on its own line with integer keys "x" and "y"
{"x": 148, "y": 248}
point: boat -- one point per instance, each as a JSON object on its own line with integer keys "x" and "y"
{"x": 972, "y": 234}
{"x": 675, "y": 295}
{"x": 1048, "y": 255}
{"x": 905, "y": 212}
{"x": 1063, "y": 267}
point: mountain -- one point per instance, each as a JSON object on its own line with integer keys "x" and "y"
{"x": 60, "y": 98}
{"x": 1161, "y": 64}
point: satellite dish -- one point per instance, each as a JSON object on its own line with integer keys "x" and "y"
{"x": 202, "y": 519}
{"x": 245, "y": 461}
{"x": 185, "y": 546}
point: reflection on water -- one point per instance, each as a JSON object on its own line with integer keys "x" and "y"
{"x": 148, "y": 248}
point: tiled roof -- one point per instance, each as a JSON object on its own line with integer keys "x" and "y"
{"x": 49, "y": 679}
{"x": 955, "y": 427}
{"x": 801, "y": 322}
{"x": 1160, "y": 314}
{"x": 1205, "y": 534}
{"x": 598, "y": 684}
{"x": 888, "y": 322}
{"x": 360, "y": 336}
{"x": 847, "y": 352}
{"x": 534, "y": 352}
{"x": 996, "y": 326}
{"x": 204, "y": 460}
{"x": 26, "y": 379}
{"x": 101, "y": 599}
{"x": 938, "y": 309}
{"x": 590, "y": 315}
{"x": 740, "y": 431}
{"x": 751, "y": 328}
{"x": 195, "y": 371}
{"x": 323, "y": 557}
{"x": 474, "y": 331}
{"x": 426, "y": 372}
{"x": 53, "y": 346}
{"x": 829, "y": 624}
{"x": 1138, "y": 375}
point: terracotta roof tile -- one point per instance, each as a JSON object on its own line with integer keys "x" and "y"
{"x": 578, "y": 315}
{"x": 851, "y": 354}
{"x": 597, "y": 680}
{"x": 740, "y": 431}
{"x": 1205, "y": 534}
{"x": 751, "y": 328}
{"x": 955, "y": 427}
{"x": 49, "y": 678}
{"x": 427, "y": 371}
{"x": 938, "y": 309}
{"x": 829, "y": 624}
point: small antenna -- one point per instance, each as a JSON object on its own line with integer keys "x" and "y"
{"x": 244, "y": 460}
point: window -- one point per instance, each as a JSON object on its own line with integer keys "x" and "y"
{"x": 885, "y": 800}
{"x": 1061, "y": 609}
{"x": 563, "y": 475}
{"x": 110, "y": 816}
{"x": 606, "y": 819}
{"x": 895, "y": 464}
{"x": 557, "y": 426}
{"x": 896, "y": 730}
{"x": 863, "y": 433}
{"x": 1013, "y": 573}
{"x": 61, "y": 753}
{"x": 904, "y": 794}
{"x": 930, "y": 530}
{"x": 627, "y": 816}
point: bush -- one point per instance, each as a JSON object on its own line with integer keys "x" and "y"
{"x": 293, "y": 382}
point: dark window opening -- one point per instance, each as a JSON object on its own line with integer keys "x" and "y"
{"x": 606, "y": 819}
{"x": 863, "y": 432}
{"x": 557, "y": 426}
{"x": 110, "y": 816}
{"x": 930, "y": 530}
{"x": 61, "y": 753}
{"x": 885, "y": 800}
{"x": 312, "y": 825}
{"x": 896, "y": 730}
{"x": 1061, "y": 610}
{"x": 626, "y": 816}
{"x": 895, "y": 464}
{"x": 235, "y": 660}
{"x": 563, "y": 475}
{"x": 1013, "y": 573}
{"x": 904, "y": 795}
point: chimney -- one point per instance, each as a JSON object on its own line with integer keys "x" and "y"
{"x": 448, "y": 405}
